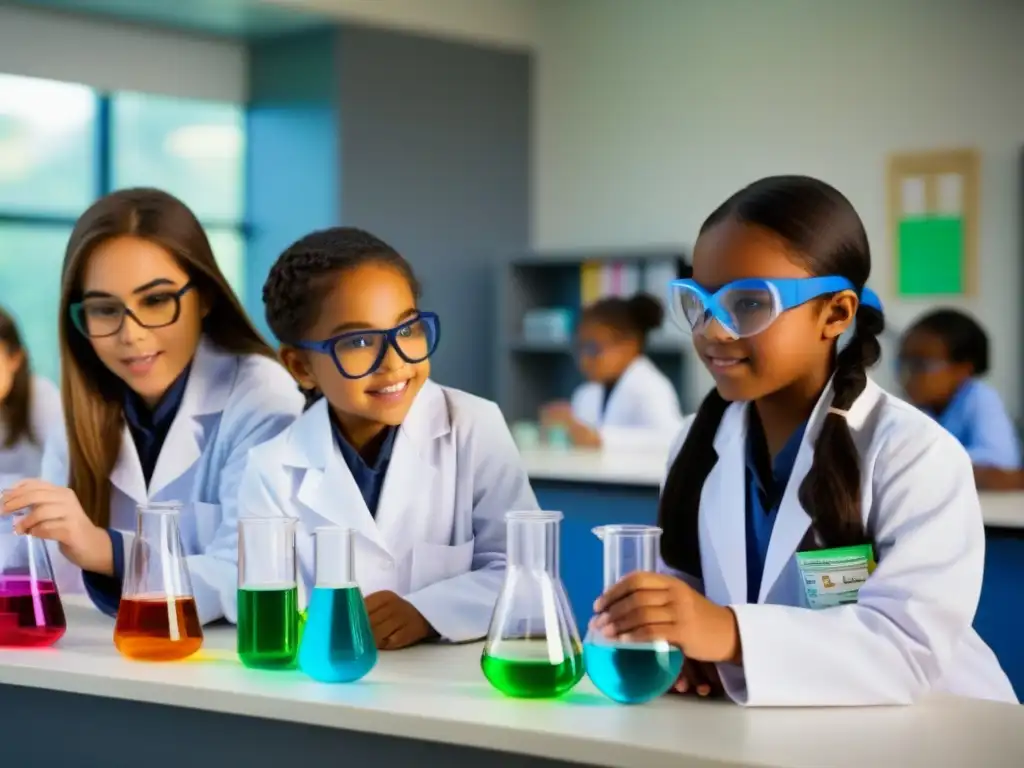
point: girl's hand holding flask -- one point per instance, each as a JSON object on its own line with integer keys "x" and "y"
{"x": 652, "y": 606}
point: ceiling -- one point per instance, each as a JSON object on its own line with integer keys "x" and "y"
{"x": 241, "y": 19}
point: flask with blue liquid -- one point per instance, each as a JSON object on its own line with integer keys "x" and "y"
{"x": 337, "y": 643}
{"x": 630, "y": 672}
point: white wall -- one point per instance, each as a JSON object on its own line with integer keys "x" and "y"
{"x": 509, "y": 23}
{"x": 649, "y": 113}
{"x": 113, "y": 56}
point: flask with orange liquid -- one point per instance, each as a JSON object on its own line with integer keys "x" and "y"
{"x": 157, "y": 619}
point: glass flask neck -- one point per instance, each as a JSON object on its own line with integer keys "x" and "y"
{"x": 628, "y": 548}
{"x": 266, "y": 552}
{"x": 334, "y": 557}
{"x": 154, "y": 520}
{"x": 533, "y": 540}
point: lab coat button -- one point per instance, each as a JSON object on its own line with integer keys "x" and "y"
{"x": 388, "y": 565}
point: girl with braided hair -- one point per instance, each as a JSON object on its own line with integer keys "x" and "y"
{"x": 423, "y": 473}
{"x": 796, "y": 450}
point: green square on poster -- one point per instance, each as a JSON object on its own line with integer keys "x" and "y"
{"x": 931, "y": 256}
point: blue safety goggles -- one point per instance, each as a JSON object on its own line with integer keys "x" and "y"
{"x": 747, "y": 307}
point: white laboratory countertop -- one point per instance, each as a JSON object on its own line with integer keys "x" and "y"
{"x": 438, "y": 694}
{"x": 1004, "y": 510}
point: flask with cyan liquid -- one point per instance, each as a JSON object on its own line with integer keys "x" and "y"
{"x": 337, "y": 643}
{"x": 630, "y": 672}
{"x": 533, "y": 647}
{"x": 31, "y": 613}
{"x": 157, "y": 619}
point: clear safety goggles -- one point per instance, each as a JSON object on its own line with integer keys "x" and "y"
{"x": 747, "y": 307}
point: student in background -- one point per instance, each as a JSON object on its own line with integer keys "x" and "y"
{"x": 166, "y": 387}
{"x": 29, "y": 407}
{"x": 626, "y": 402}
{"x": 795, "y": 451}
{"x": 423, "y": 473}
{"x": 942, "y": 356}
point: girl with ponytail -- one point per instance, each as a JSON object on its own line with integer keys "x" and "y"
{"x": 797, "y": 450}
{"x": 626, "y": 402}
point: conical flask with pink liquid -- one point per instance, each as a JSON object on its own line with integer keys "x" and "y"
{"x": 31, "y": 613}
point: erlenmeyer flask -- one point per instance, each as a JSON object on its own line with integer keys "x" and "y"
{"x": 533, "y": 647}
{"x": 157, "y": 619}
{"x": 268, "y": 594}
{"x": 31, "y": 614}
{"x": 630, "y": 672}
{"x": 337, "y": 643}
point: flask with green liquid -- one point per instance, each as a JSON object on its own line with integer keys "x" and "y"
{"x": 533, "y": 648}
{"x": 268, "y": 595}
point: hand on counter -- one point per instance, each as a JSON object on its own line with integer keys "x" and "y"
{"x": 700, "y": 678}
{"x": 653, "y": 606}
{"x": 395, "y": 622}
{"x": 559, "y": 415}
{"x": 992, "y": 479}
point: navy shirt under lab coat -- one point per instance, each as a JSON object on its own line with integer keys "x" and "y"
{"x": 977, "y": 418}
{"x": 766, "y": 483}
{"x": 369, "y": 477}
{"x": 149, "y": 431}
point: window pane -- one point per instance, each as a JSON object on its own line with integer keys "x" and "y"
{"x": 30, "y": 262}
{"x": 229, "y": 250}
{"x": 47, "y": 146}
{"x": 193, "y": 149}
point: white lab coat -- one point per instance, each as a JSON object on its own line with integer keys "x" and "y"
{"x": 910, "y": 631}
{"x": 230, "y": 404}
{"x": 643, "y": 409}
{"x": 24, "y": 458}
{"x": 438, "y": 538}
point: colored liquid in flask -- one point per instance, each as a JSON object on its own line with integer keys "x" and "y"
{"x": 268, "y": 627}
{"x": 337, "y": 642}
{"x": 632, "y": 673}
{"x": 158, "y": 628}
{"x": 525, "y": 672}
{"x": 31, "y": 614}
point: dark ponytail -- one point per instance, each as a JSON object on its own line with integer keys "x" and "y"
{"x": 830, "y": 493}
{"x": 679, "y": 506}
{"x": 827, "y": 236}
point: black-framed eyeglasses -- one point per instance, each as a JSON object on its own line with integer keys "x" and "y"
{"x": 359, "y": 353}
{"x": 97, "y": 317}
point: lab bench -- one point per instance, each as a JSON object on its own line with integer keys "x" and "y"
{"x": 80, "y": 703}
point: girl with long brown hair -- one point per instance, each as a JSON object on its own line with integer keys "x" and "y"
{"x": 29, "y": 407}
{"x": 166, "y": 385}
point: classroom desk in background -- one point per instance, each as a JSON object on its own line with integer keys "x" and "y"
{"x": 598, "y": 488}
{"x": 82, "y": 704}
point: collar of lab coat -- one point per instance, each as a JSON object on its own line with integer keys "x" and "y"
{"x": 328, "y": 489}
{"x": 725, "y": 522}
{"x": 206, "y": 394}
{"x": 311, "y": 443}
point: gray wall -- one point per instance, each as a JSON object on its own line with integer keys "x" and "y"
{"x": 435, "y": 143}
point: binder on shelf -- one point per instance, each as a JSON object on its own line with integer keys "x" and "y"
{"x": 590, "y": 282}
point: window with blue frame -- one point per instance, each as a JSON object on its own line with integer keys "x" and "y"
{"x": 63, "y": 145}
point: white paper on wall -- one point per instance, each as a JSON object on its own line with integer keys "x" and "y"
{"x": 951, "y": 194}
{"x": 912, "y": 197}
